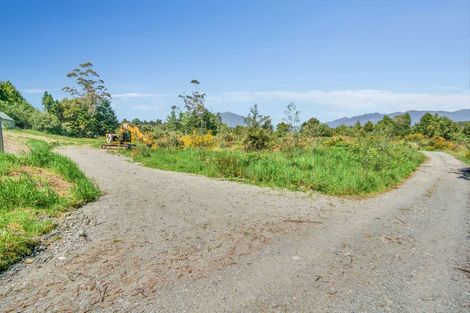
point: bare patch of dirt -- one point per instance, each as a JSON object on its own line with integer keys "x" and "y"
{"x": 14, "y": 144}
{"x": 45, "y": 177}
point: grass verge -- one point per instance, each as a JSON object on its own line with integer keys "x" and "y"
{"x": 33, "y": 188}
{"x": 463, "y": 156}
{"x": 27, "y": 134}
{"x": 345, "y": 169}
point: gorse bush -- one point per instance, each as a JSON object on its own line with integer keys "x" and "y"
{"x": 196, "y": 140}
{"x": 170, "y": 140}
{"x": 34, "y": 186}
{"x": 257, "y": 139}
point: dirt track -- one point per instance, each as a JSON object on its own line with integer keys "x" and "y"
{"x": 169, "y": 242}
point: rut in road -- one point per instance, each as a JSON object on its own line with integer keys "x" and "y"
{"x": 160, "y": 241}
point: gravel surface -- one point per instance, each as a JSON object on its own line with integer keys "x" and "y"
{"x": 160, "y": 241}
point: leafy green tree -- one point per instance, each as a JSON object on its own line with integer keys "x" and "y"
{"x": 422, "y": 126}
{"x": 172, "y": 120}
{"x": 385, "y": 127}
{"x": 313, "y": 128}
{"x": 105, "y": 117}
{"x": 357, "y": 126}
{"x": 196, "y": 109}
{"x": 369, "y": 127}
{"x": 402, "y": 125}
{"x": 466, "y": 129}
{"x": 46, "y": 122}
{"x": 15, "y": 105}
{"x": 256, "y": 120}
{"x": 51, "y": 105}
{"x": 343, "y": 130}
{"x": 78, "y": 122}
{"x": 258, "y": 130}
{"x": 282, "y": 129}
{"x": 88, "y": 113}
{"x": 438, "y": 126}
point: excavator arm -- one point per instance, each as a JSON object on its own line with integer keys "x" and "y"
{"x": 136, "y": 132}
{"x": 127, "y": 132}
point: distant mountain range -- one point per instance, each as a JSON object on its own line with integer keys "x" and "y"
{"x": 457, "y": 116}
{"x": 232, "y": 119}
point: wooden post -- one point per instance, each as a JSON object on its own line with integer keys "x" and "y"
{"x": 1, "y": 137}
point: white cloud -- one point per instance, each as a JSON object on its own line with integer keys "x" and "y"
{"x": 324, "y": 105}
{"x": 338, "y": 103}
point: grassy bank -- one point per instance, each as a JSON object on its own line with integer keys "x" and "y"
{"x": 463, "y": 156}
{"x": 33, "y": 188}
{"x": 340, "y": 169}
{"x": 27, "y": 134}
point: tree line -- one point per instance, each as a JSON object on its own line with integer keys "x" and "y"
{"x": 86, "y": 112}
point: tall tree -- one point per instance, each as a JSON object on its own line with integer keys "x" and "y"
{"x": 172, "y": 120}
{"x": 88, "y": 112}
{"x": 402, "y": 124}
{"x": 256, "y": 120}
{"x": 292, "y": 115}
{"x": 89, "y": 87}
{"x": 197, "y": 115}
{"x": 106, "y": 118}
{"x": 51, "y": 105}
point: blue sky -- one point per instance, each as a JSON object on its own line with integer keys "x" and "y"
{"x": 332, "y": 58}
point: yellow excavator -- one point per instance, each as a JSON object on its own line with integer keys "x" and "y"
{"x": 124, "y": 137}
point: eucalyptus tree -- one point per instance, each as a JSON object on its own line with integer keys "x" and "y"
{"x": 88, "y": 87}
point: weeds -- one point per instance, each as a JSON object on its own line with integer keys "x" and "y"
{"x": 337, "y": 168}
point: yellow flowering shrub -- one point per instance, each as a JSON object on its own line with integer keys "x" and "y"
{"x": 198, "y": 141}
{"x": 416, "y": 137}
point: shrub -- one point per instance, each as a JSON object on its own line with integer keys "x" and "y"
{"x": 229, "y": 164}
{"x": 198, "y": 141}
{"x": 438, "y": 143}
{"x": 256, "y": 139}
{"x": 338, "y": 141}
{"x": 168, "y": 141}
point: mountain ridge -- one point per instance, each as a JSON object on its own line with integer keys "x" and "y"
{"x": 457, "y": 116}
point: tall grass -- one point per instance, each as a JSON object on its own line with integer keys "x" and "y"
{"x": 360, "y": 168}
{"x": 27, "y": 200}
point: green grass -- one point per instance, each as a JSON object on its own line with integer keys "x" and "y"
{"x": 462, "y": 155}
{"x": 51, "y": 138}
{"x": 28, "y": 201}
{"x": 346, "y": 169}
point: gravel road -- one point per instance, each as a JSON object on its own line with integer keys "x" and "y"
{"x": 160, "y": 241}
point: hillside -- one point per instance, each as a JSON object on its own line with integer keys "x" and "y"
{"x": 232, "y": 119}
{"x": 457, "y": 116}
